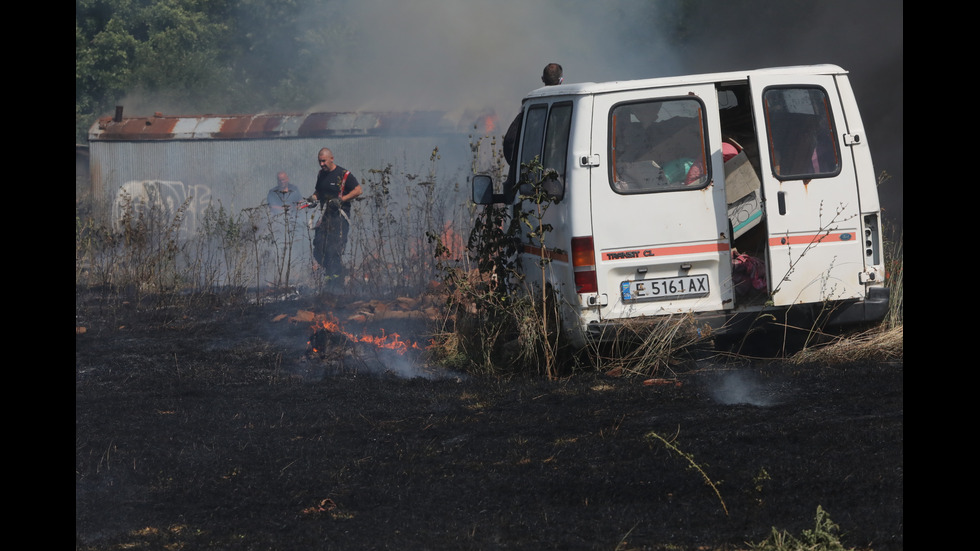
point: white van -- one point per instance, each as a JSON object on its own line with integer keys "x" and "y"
{"x": 723, "y": 195}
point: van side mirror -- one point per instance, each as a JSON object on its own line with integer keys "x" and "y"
{"x": 483, "y": 190}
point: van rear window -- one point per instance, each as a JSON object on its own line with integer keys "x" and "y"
{"x": 658, "y": 146}
{"x": 801, "y": 133}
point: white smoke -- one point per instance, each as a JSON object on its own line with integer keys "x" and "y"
{"x": 739, "y": 387}
{"x": 453, "y": 55}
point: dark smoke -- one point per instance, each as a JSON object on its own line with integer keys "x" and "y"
{"x": 865, "y": 37}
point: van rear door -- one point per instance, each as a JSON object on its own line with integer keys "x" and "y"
{"x": 659, "y": 220}
{"x": 815, "y": 250}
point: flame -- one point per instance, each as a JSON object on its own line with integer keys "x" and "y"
{"x": 395, "y": 343}
{"x": 452, "y": 240}
{"x": 490, "y": 123}
{"x": 385, "y": 341}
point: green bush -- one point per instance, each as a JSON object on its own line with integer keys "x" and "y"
{"x": 823, "y": 537}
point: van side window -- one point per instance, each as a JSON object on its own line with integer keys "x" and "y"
{"x": 802, "y": 140}
{"x": 556, "y": 148}
{"x": 533, "y": 133}
{"x": 658, "y": 146}
{"x": 546, "y": 138}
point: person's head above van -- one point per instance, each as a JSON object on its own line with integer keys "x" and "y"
{"x": 552, "y": 74}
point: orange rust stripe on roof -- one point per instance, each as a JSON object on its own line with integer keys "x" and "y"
{"x": 550, "y": 254}
{"x": 813, "y": 238}
{"x": 666, "y": 251}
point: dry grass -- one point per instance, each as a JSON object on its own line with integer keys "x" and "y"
{"x": 651, "y": 347}
{"x": 874, "y": 345}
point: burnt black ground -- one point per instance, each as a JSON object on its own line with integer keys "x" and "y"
{"x": 216, "y": 431}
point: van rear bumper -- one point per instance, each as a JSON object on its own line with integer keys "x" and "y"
{"x": 825, "y": 316}
{"x": 872, "y": 309}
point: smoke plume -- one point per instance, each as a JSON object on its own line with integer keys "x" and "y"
{"x": 459, "y": 55}
{"x": 454, "y": 55}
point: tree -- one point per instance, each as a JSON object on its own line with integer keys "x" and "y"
{"x": 204, "y": 55}
{"x": 172, "y": 50}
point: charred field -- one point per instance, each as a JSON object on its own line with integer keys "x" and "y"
{"x": 216, "y": 428}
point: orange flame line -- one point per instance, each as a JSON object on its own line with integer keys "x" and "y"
{"x": 395, "y": 343}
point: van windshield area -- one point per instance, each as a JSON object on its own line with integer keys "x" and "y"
{"x": 658, "y": 146}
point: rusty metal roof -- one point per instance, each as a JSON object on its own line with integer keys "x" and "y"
{"x": 283, "y": 125}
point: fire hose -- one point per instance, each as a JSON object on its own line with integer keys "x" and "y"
{"x": 334, "y": 204}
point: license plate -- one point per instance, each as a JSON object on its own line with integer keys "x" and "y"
{"x": 665, "y": 288}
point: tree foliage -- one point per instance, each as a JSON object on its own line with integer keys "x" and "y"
{"x": 215, "y": 55}
{"x": 171, "y": 49}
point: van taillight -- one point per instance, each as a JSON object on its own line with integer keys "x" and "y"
{"x": 583, "y": 262}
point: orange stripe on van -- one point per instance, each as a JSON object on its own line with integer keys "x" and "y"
{"x": 813, "y": 238}
{"x": 547, "y": 253}
{"x": 665, "y": 251}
